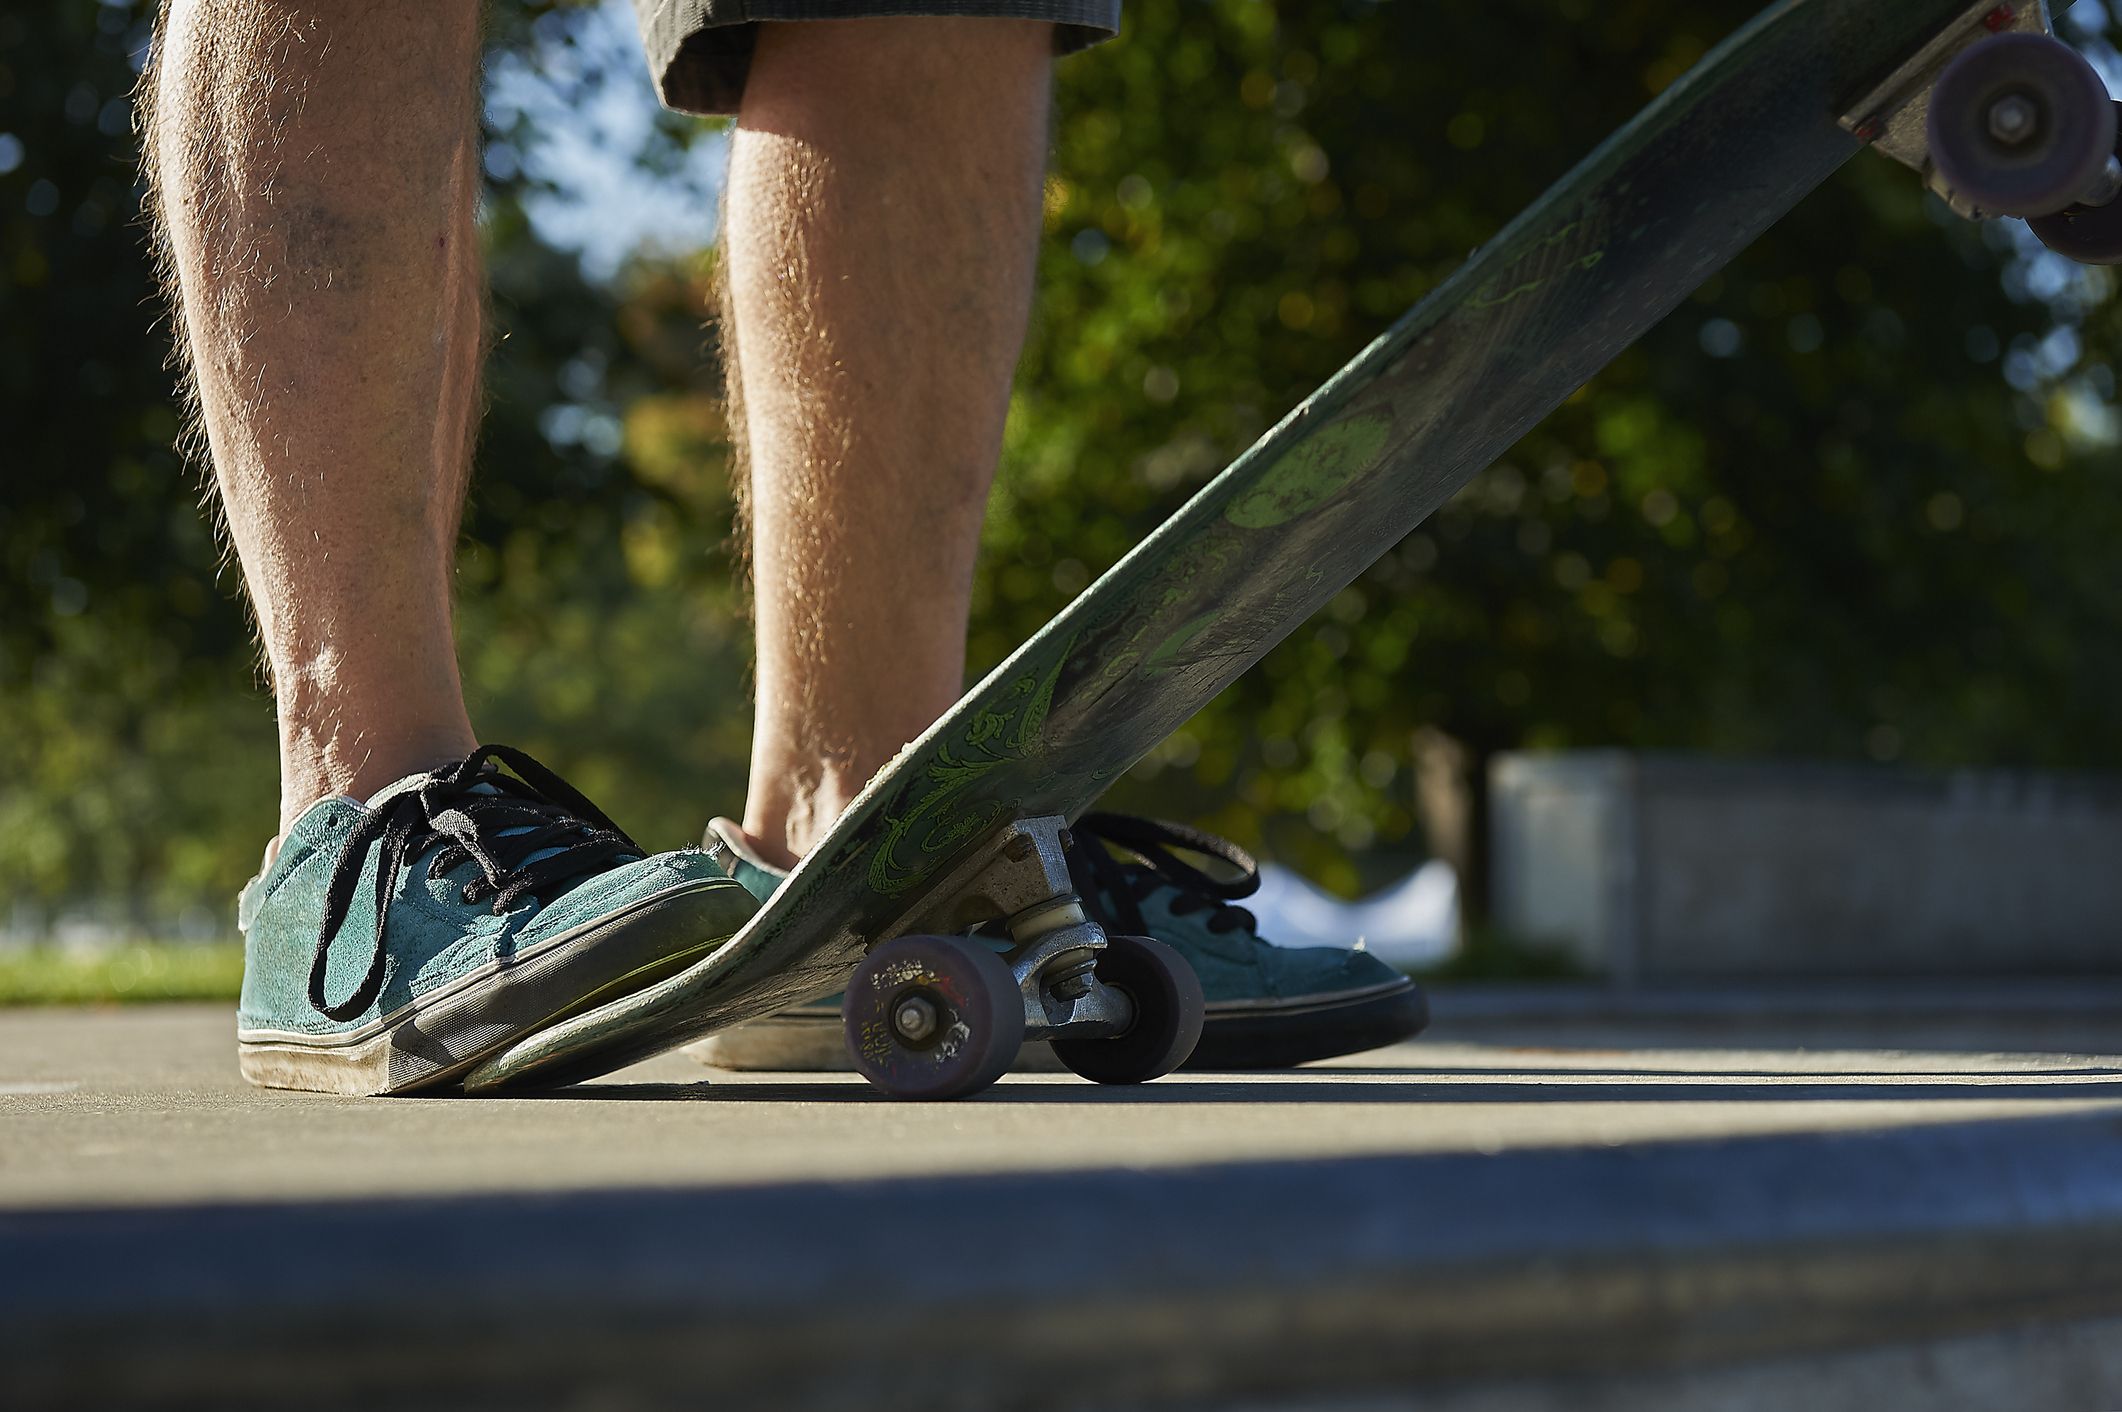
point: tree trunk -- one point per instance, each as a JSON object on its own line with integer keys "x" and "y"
{"x": 1451, "y": 801}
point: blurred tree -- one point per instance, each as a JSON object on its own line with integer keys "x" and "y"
{"x": 113, "y": 782}
{"x": 601, "y": 628}
{"x": 1856, "y": 498}
{"x": 1806, "y": 514}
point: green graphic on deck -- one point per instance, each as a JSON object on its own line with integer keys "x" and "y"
{"x": 1495, "y": 293}
{"x": 1162, "y": 659}
{"x": 1313, "y": 472}
{"x": 911, "y": 845}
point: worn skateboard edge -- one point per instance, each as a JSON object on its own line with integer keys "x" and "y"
{"x": 1305, "y": 1279}
{"x": 1569, "y": 245}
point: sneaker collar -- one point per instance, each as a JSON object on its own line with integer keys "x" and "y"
{"x": 723, "y": 842}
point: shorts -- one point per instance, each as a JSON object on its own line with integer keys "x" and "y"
{"x": 699, "y": 50}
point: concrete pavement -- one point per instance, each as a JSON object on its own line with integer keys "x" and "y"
{"x": 1554, "y": 1195}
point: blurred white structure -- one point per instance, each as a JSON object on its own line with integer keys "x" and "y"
{"x": 1678, "y": 867}
{"x": 1414, "y": 922}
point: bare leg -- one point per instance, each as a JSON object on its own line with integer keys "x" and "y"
{"x": 315, "y": 167}
{"x": 883, "y": 211}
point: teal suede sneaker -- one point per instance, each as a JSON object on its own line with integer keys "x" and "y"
{"x": 391, "y": 946}
{"x": 1269, "y": 1007}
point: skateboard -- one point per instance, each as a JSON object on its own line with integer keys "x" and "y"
{"x": 968, "y": 826}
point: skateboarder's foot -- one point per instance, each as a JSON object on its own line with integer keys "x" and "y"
{"x": 391, "y": 945}
{"x": 1269, "y": 1007}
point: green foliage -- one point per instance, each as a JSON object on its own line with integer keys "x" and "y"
{"x": 1489, "y": 954}
{"x": 601, "y": 625}
{"x": 130, "y": 731}
{"x": 132, "y": 974}
{"x": 1856, "y": 498}
{"x": 1805, "y": 515}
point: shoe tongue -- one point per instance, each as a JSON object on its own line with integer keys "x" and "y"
{"x": 412, "y": 782}
{"x": 395, "y": 788}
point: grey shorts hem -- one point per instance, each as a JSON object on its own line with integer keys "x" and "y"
{"x": 699, "y": 51}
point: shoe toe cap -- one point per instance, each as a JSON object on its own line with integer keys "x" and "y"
{"x": 1324, "y": 971}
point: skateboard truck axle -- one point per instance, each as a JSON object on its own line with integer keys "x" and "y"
{"x": 915, "y": 1019}
{"x": 1055, "y": 962}
{"x": 2001, "y": 118}
{"x": 2015, "y": 121}
{"x": 1892, "y": 115}
{"x": 932, "y": 1012}
{"x": 1020, "y": 877}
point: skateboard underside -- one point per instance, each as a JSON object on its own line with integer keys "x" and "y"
{"x": 1600, "y": 257}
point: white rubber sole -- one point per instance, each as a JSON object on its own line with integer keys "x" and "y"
{"x": 1239, "y": 1034}
{"x": 437, "y": 1038}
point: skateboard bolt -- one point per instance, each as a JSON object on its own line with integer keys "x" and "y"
{"x": 1020, "y": 848}
{"x": 2012, "y": 119}
{"x": 915, "y": 1018}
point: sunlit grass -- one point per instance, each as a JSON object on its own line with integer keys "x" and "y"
{"x": 1493, "y": 954}
{"x": 134, "y": 973}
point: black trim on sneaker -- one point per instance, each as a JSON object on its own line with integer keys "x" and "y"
{"x": 1270, "y": 1037}
{"x": 1116, "y": 861}
{"x": 1245, "y": 1034}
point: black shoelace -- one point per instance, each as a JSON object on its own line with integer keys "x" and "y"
{"x": 1103, "y": 877}
{"x": 467, "y": 807}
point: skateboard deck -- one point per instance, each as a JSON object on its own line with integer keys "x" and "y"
{"x": 1605, "y": 253}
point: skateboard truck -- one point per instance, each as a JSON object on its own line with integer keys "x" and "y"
{"x": 2001, "y": 118}
{"x": 934, "y": 1013}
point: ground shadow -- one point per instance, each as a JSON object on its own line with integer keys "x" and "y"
{"x": 1410, "y": 1071}
{"x": 1537, "y": 1087}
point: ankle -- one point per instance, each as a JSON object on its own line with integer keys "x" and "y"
{"x": 350, "y": 725}
{"x": 757, "y": 850}
{"x": 360, "y": 762}
{"x": 782, "y": 831}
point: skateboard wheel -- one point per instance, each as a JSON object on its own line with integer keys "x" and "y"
{"x": 2020, "y": 125}
{"x": 2091, "y": 235}
{"x": 1168, "y": 1008}
{"x": 933, "y": 1017}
